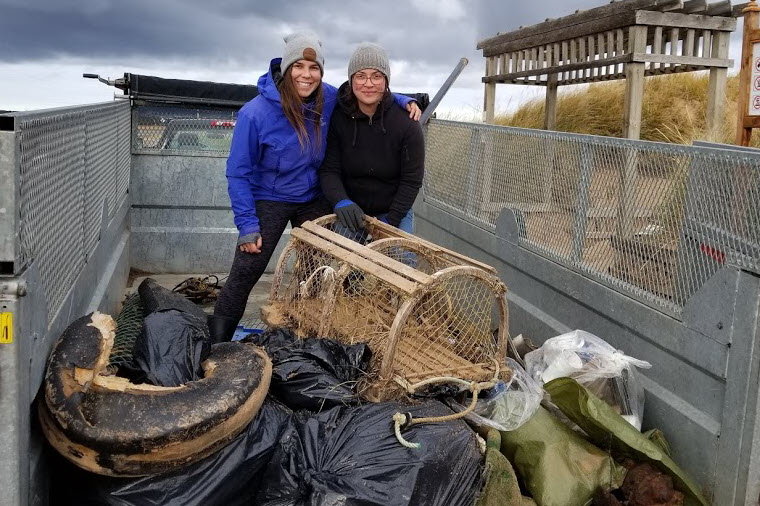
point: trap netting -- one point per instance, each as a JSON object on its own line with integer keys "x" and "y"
{"x": 423, "y": 310}
{"x": 128, "y": 327}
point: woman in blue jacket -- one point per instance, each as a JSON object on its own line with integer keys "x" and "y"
{"x": 277, "y": 146}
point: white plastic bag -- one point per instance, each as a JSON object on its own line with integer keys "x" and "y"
{"x": 605, "y": 371}
{"x": 509, "y": 405}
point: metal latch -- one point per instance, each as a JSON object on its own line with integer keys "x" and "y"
{"x": 13, "y": 288}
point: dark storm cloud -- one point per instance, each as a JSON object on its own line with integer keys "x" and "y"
{"x": 421, "y": 31}
{"x": 495, "y": 16}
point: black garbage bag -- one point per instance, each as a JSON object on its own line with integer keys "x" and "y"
{"x": 313, "y": 374}
{"x": 231, "y": 476}
{"x": 155, "y": 297}
{"x": 171, "y": 348}
{"x": 174, "y": 340}
{"x": 349, "y": 456}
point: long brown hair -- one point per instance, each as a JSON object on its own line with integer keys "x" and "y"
{"x": 294, "y": 107}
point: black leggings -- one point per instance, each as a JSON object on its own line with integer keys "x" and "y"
{"x": 247, "y": 268}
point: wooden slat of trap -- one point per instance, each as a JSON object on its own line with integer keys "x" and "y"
{"x": 355, "y": 260}
{"x": 370, "y": 254}
{"x": 394, "y": 232}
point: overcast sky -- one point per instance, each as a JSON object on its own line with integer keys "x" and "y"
{"x": 46, "y": 45}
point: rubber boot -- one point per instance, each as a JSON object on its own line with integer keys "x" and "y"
{"x": 221, "y": 329}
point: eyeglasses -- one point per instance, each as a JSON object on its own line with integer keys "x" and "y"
{"x": 375, "y": 78}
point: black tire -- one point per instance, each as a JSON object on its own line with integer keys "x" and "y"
{"x": 107, "y": 425}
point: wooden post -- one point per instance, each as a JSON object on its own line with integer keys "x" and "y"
{"x": 634, "y": 99}
{"x": 634, "y": 84}
{"x": 489, "y": 103}
{"x": 716, "y": 95}
{"x": 550, "y": 113}
{"x": 751, "y": 32}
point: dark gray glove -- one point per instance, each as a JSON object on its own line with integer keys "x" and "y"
{"x": 350, "y": 215}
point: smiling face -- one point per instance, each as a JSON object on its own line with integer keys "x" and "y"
{"x": 368, "y": 86}
{"x": 306, "y": 76}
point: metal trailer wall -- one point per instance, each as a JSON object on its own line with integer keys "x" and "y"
{"x": 64, "y": 220}
{"x": 181, "y": 214}
{"x": 702, "y": 389}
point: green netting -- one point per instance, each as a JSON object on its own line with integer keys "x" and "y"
{"x": 128, "y": 327}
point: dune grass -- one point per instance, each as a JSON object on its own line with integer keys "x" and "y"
{"x": 673, "y": 111}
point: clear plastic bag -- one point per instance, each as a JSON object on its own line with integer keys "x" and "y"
{"x": 605, "y": 371}
{"x": 508, "y": 405}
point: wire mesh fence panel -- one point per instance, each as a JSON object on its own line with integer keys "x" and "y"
{"x": 652, "y": 220}
{"x": 52, "y": 177}
{"x": 69, "y": 167}
{"x": 170, "y": 129}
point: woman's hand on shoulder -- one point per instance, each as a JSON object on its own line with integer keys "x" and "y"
{"x": 414, "y": 110}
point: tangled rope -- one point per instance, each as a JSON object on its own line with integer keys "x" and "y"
{"x": 328, "y": 275}
{"x": 199, "y": 290}
{"x": 404, "y": 421}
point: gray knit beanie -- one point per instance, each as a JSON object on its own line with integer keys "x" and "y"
{"x": 302, "y": 46}
{"x": 369, "y": 56}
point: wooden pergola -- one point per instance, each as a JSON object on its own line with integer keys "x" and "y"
{"x": 627, "y": 39}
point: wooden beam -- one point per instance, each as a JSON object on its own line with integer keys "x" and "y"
{"x": 489, "y": 98}
{"x": 615, "y": 60}
{"x": 657, "y": 45}
{"x": 682, "y": 60}
{"x": 550, "y": 112}
{"x": 688, "y": 43}
{"x": 355, "y": 260}
{"x": 582, "y": 30}
{"x": 716, "y": 94}
{"x": 669, "y": 5}
{"x": 697, "y": 21}
{"x": 694, "y": 6}
{"x": 620, "y": 48}
{"x": 610, "y": 10}
{"x": 706, "y": 44}
{"x": 375, "y": 256}
{"x": 634, "y": 95}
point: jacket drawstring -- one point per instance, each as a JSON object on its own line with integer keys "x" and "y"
{"x": 353, "y": 144}
{"x": 382, "y": 116}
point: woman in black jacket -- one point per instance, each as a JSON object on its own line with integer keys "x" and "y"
{"x": 375, "y": 156}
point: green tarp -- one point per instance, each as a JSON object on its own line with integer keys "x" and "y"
{"x": 608, "y": 429}
{"x": 558, "y": 467}
{"x": 502, "y": 488}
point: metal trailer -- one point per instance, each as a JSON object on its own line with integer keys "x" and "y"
{"x": 86, "y": 203}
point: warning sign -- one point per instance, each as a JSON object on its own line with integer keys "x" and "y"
{"x": 6, "y": 328}
{"x": 754, "y": 97}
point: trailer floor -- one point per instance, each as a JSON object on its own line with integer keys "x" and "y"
{"x": 258, "y": 297}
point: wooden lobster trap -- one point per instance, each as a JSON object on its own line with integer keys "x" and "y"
{"x": 424, "y": 311}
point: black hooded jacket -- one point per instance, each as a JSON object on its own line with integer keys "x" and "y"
{"x": 377, "y": 162}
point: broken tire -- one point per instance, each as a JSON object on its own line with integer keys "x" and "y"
{"x": 108, "y": 425}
